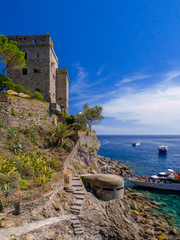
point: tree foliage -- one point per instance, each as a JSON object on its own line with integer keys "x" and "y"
{"x": 92, "y": 115}
{"x": 10, "y": 55}
{"x": 5, "y": 83}
{"x": 62, "y": 131}
{"x": 80, "y": 122}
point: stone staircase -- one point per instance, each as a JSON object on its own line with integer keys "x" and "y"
{"x": 79, "y": 193}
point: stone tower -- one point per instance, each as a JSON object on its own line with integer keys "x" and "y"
{"x": 41, "y": 72}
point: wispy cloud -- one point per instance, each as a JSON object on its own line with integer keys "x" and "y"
{"x": 149, "y": 108}
{"x": 133, "y": 78}
{"x": 100, "y": 70}
{"x": 171, "y": 75}
{"x": 80, "y": 81}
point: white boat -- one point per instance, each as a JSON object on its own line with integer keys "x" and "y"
{"x": 163, "y": 186}
{"x": 169, "y": 180}
{"x": 134, "y": 144}
{"x": 162, "y": 149}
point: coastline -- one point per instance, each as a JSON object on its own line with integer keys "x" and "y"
{"x": 143, "y": 209}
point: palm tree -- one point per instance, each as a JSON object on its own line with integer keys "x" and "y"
{"x": 62, "y": 131}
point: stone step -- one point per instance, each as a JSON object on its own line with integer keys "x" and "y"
{"x": 76, "y": 207}
{"x": 77, "y": 184}
{"x": 79, "y": 192}
{"x": 76, "y": 225}
{"x": 69, "y": 190}
{"x": 78, "y": 229}
{"x": 78, "y": 202}
{"x": 80, "y": 197}
{"x": 74, "y": 218}
{"x": 78, "y": 187}
{"x": 75, "y": 212}
{"x": 80, "y": 232}
{"x": 76, "y": 178}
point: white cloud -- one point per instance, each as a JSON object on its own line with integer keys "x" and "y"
{"x": 172, "y": 75}
{"x": 80, "y": 82}
{"x": 133, "y": 78}
{"x": 152, "y": 110}
{"x": 100, "y": 70}
{"x": 152, "y": 107}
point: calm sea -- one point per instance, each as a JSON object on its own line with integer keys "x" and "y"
{"x": 144, "y": 160}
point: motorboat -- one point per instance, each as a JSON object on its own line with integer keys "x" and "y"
{"x": 134, "y": 144}
{"x": 162, "y": 149}
{"x": 169, "y": 180}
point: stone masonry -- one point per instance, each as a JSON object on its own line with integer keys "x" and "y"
{"x": 19, "y": 112}
{"x": 41, "y": 72}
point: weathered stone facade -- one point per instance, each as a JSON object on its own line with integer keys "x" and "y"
{"x": 19, "y": 112}
{"x": 41, "y": 72}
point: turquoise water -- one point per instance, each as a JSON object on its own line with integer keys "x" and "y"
{"x": 144, "y": 160}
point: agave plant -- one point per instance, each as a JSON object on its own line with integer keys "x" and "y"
{"x": 62, "y": 131}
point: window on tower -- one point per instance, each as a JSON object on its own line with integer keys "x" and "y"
{"x": 24, "y": 71}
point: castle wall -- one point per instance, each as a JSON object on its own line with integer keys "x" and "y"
{"x": 19, "y": 112}
{"x": 53, "y": 65}
{"x": 39, "y": 74}
{"x": 62, "y": 88}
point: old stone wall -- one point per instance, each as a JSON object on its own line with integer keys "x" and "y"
{"x": 89, "y": 139}
{"x": 35, "y": 76}
{"x": 19, "y": 112}
{"x": 62, "y": 88}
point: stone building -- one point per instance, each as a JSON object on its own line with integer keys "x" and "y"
{"x": 41, "y": 72}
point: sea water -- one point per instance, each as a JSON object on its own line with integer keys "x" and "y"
{"x": 145, "y": 160}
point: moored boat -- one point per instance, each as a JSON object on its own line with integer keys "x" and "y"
{"x": 156, "y": 185}
{"x": 162, "y": 149}
{"x": 134, "y": 144}
{"x": 169, "y": 180}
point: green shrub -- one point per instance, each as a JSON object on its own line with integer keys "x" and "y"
{"x": 6, "y": 82}
{"x": 92, "y": 149}
{"x": 3, "y": 178}
{"x": 37, "y": 95}
{"x": 24, "y": 185}
{"x": 7, "y": 189}
{"x": 28, "y": 92}
{"x": 14, "y": 179}
{"x": 27, "y": 165}
{"x": 13, "y": 112}
{"x": 19, "y": 147}
{"x": 86, "y": 144}
{"x": 19, "y": 88}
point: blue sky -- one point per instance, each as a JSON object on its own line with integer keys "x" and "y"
{"x": 121, "y": 54}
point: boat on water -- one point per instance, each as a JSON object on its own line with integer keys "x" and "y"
{"x": 169, "y": 180}
{"x": 162, "y": 149}
{"x": 134, "y": 144}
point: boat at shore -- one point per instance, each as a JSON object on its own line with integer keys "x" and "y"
{"x": 134, "y": 144}
{"x": 162, "y": 149}
{"x": 169, "y": 180}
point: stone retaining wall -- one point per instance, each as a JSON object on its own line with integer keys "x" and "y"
{"x": 71, "y": 156}
{"x": 19, "y": 112}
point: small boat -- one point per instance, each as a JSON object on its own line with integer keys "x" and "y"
{"x": 168, "y": 180}
{"x": 162, "y": 149}
{"x": 134, "y": 144}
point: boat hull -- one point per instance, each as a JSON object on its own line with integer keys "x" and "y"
{"x": 163, "y": 186}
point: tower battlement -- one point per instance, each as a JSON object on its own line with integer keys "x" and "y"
{"x": 41, "y": 72}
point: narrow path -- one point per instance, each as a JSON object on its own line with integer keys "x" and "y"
{"x": 26, "y": 228}
{"x": 79, "y": 192}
